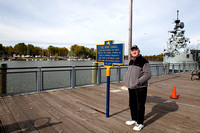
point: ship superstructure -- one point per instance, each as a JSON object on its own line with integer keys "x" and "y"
{"x": 177, "y": 51}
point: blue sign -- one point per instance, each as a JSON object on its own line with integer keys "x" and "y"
{"x": 110, "y": 53}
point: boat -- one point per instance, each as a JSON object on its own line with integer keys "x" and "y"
{"x": 177, "y": 50}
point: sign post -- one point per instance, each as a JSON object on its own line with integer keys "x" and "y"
{"x": 110, "y": 53}
{"x": 108, "y": 91}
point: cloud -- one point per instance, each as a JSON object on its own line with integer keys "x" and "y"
{"x": 68, "y": 22}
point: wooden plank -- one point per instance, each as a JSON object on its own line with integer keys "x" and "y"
{"x": 9, "y": 124}
{"x": 117, "y": 126}
{"x": 21, "y": 119}
{"x": 182, "y": 107}
{"x": 52, "y": 113}
{"x": 118, "y": 101}
{"x": 183, "y": 90}
{"x": 79, "y": 91}
{"x": 71, "y": 120}
{"x": 4, "y": 109}
{"x": 93, "y": 100}
{"x": 172, "y": 118}
{"x": 89, "y": 117}
{"x": 40, "y": 119}
{"x": 80, "y": 109}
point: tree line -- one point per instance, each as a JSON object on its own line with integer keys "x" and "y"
{"x": 154, "y": 57}
{"x": 75, "y": 50}
{"x": 23, "y": 49}
{"x": 150, "y": 57}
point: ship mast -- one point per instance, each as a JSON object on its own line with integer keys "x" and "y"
{"x": 177, "y": 14}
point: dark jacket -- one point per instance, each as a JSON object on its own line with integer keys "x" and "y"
{"x": 138, "y": 73}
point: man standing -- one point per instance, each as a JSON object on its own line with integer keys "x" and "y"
{"x": 136, "y": 79}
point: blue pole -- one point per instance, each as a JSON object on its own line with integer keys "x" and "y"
{"x": 108, "y": 96}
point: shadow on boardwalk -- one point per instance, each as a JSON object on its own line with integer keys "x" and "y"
{"x": 119, "y": 112}
{"x": 37, "y": 124}
{"x": 162, "y": 107}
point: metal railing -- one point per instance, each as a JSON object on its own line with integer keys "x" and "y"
{"x": 37, "y": 79}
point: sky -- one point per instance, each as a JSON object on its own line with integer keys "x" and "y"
{"x": 63, "y": 23}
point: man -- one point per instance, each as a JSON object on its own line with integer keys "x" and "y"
{"x": 136, "y": 79}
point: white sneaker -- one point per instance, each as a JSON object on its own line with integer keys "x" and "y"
{"x": 138, "y": 127}
{"x": 130, "y": 122}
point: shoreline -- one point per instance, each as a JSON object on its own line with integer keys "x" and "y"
{"x": 57, "y": 59}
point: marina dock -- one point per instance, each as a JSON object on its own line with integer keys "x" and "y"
{"x": 82, "y": 110}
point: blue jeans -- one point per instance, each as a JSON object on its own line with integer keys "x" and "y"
{"x": 137, "y": 100}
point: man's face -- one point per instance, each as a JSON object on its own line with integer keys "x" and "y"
{"x": 135, "y": 52}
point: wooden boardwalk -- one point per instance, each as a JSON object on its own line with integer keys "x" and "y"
{"x": 83, "y": 110}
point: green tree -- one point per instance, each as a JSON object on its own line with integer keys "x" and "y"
{"x": 45, "y": 52}
{"x": 51, "y": 50}
{"x": 63, "y": 51}
{"x": 75, "y": 49}
{"x": 82, "y": 52}
{"x": 154, "y": 57}
{"x": 58, "y": 51}
{"x": 37, "y": 51}
{"x": 30, "y": 49}
{"x": 1, "y": 48}
{"x": 9, "y": 50}
{"x": 91, "y": 53}
{"x": 20, "y": 48}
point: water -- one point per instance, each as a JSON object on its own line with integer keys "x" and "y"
{"x": 53, "y": 63}
{"x": 45, "y": 63}
{"x": 60, "y": 78}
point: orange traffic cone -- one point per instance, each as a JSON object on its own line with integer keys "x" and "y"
{"x": 174, "y": 96}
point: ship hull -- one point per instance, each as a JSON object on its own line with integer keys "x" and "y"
{"x": 179, "y": 58}
{"x": 180, "y": 62}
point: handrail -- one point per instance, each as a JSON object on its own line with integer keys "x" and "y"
{"x": 39, "y": 77}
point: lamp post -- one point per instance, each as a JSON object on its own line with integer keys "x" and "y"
{"x": 130, "y": 31}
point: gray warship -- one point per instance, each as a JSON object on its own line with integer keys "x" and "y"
{"x": 177, "y": 51}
